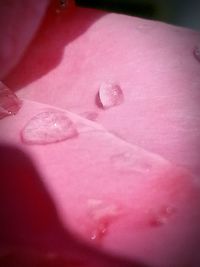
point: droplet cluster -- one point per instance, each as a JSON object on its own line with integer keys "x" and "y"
{"x": 101, "y": 215}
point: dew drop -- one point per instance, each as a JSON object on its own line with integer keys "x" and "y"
{"x": 110, "y": 95}
{"x": 101, "y": 216}
{"x": 9, "y": 102}
{"x": 162, "y": 216}
{"x": 90, "y": 115}
{"x": 48, "y": 127}
{"x": 62, "y": 4}
{"x": 128, "y": 162}
{"x": 196, "y": 52}
{"x": 100, "y": 230}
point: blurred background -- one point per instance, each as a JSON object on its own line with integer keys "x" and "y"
{"x": 179, "y": 12}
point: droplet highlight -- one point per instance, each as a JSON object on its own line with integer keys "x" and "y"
{"x": 10, "y": 104}
{"x": 196, "y": 52}
{"x": 101, "y": 216}
{"x": 110, "y": 95}
{"x": 48, "y": 127}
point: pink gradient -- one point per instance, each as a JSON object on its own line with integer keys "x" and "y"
{"x": 125, "y": 191}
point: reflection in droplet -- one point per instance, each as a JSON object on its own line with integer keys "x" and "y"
{"x": 196, "y": 52}
{"x": 101, "y": 216}
{"x": 129, "y": 162}
{"x": 48, "y": 127}
{"x": 110, "y": 95}
{"x": 9, "y": 102}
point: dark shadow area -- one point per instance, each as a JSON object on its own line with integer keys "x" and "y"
{"x": 45, "y": 52}
{"x": 182, "y": 13}
{"x": 146, "y": 9}
{"x": 31, "y": 233}
{"x": 98, "y": 101}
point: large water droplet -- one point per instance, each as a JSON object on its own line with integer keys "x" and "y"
{"x": 9, "y": 102}
{"x": 48, "y": 127}
{"x": 196, "y": 52}
{"x": 101, "y": 216}
{"x": 110, "y": 95}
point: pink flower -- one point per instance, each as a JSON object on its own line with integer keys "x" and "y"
{"x": 116, "y": 100}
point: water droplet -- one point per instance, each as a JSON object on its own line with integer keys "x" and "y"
{"x": 99, "y": 230}
{"x": 63, "y": 4}
{"x": 162, "y": 216}
{"x": 101, "y": 217}
{"x": 90, "y": 115}
{"x": 196, "y": 52}
{"x": 48, "y": 127}
{"x": 110, "y": 95}
{"x": 128, "y": 162}
{"x": 9, "y": 102}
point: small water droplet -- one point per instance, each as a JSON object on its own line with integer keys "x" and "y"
{"x": 63, "y": 4}
{"x": 110, "y": 95}
{"x": 48, "y": 127}
{"x": 9, "y": 102}
{"x": 162, "y": 216}
{"x": 101, "y": 217}
{"x": 196, "y": 52}
{"x": 90, "y": 115}
{"x": 99, "y": 230}
{"x": 128, "y": 162}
